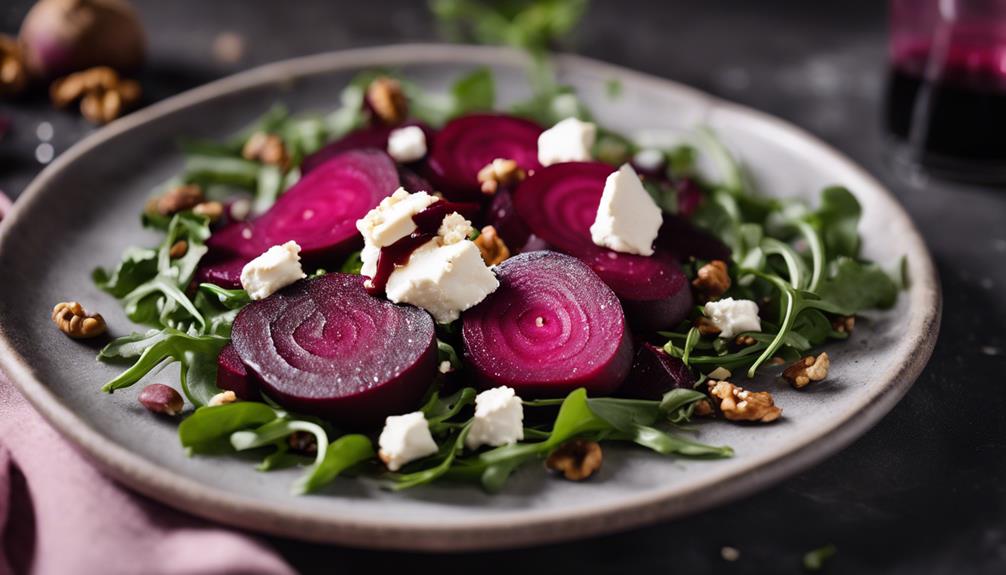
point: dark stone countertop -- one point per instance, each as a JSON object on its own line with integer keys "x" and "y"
{"x": 922, "y": 492}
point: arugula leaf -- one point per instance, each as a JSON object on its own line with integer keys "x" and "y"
{"x": 838, "y": 220}
{"x": 446, "y": 352}
{"x": 137, "y": 266}
{"x": 854, "y": 286}
{"x": 438, "y": 410}
{"x": 209, "y": 424}
{"x": 230, "y": 298}
{"x": 342, "y": 454}
{"x": 473, "y": 92}
{"x": 353, "y": 264}
{"x": 428, "y": 475}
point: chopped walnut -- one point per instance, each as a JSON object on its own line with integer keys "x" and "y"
{"x": 72, "y": 320}
{"x": 843, "y": 323}
{"x": 267, "y": 149}
{"x": 387, "y": 100}
{"x": 703, "y": 408}
{"x": 576, "y": 459}
{"x": 303, "y": 442}
{"x": 212, "y": 210}
{"x": 706, "y": 326}
{"x": 494, "y": 251}
{"x": 713, "y": 279}
{"x": 499, "y": 172}
{"x": 739, "y": 404}
{"x": 103, "y": 95}
{"x": 178, "y": 249}
{"x": 222, "y": 398}
{"x": 744, "y": 340}
{"x": 806, "y": 370}
{"x": 179, "y": 199}
{"x": 13, "y": 76}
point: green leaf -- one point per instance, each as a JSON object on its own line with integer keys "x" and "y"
{"x": 199, "y": 377}
{"x": 157, "y": 347}
{"x": 815, "y": 559}
{"x": 439, "y": 410}
{"x": 446, "y": 352}
{"x": 230, "y": 298}
{"x": 209, "y": 424}
{"x": 624, "y": 414}
{"x": 665, "y": 444}
{"x": 137, "y": 266}
{"x": 853, "y": 287}
{"x": 677, "y": 405}
{"x": 475, "y": 92}
{"x": 428, "y": 475}
{"x": 353, "y": 264}
{"x": 342, "y": 454}
{"x": 269, "y": 187}
{"x": 838, "y": 220}
{"x": 206, "y": 170}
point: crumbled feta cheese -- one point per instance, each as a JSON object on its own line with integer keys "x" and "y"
{"x": 499, "y": 419}
{"x": 649, "y": 159}
{"x": 445, "y": 367}
{"x": 733, "y": 316}
{"x": 407, "y": 144}
{"x": 276, "y": 268}
{"x": 628, "y": 219}
{"x": 568, "y": 141}
{"x": 405, "y": 438}
{"x": 389, "y": 222}
{"x": 455, "y": 228}
{"x": 222, "y": 398}
{"x": 444, "y": 280}
{"x": 720, "y": 373}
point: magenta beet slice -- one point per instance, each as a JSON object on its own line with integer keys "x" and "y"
{"x": 364, "y": 138}
{"x": 232, "y": 374}
{"x": 467, "y": 144}
{"x": 324, "y": 346}
{"x": 559, "y": 204}
{"x": 551, "y": 327}
{"x": 502, "y": 215}
{"x": 654, "y": 373}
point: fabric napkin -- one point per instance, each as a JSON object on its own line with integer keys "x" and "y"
{"x": 59, "y": 514}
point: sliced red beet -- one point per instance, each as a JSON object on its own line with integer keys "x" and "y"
{"x": 467, "y": 144}
{"x": 502, "y": 215}
{"x": 364, "y": 138}
{"x": 319, "y": 213}
{"x": 654, "y": 373}
{"x": 682, "y": 238}
{"x": 324, "y": 346}
{"x": 232, "y": 374}
{"x": 551, "y": 327}
{"x": 559, "y": 204}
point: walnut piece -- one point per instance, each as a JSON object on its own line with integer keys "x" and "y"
{"x": 843, "y": 323}
{"x": 744, "y": 340}
{"x": 706, "y": 326}
{"x": 807, "y": 369}
{"x": 212, "y": 210}
{"x": 499, "y": 172}
{"x": 222, "y": 398}
{"x": 13, "y": 76}
{"x": 179, "y": 199}
{"x": 72, "y": 320}
{"x": 103, "y": 95}
{"x": 576, "y": 459}
{"x": 494, "y": 250}
{"x": 387, "y": 100}
{"x": 713, "y": 279}
{"x": 178, "y": 249}
{"x": 267, "y": 149}
{"x": 739, "y": 404}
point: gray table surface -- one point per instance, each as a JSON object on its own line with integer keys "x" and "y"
{"x": 922, "y": 492}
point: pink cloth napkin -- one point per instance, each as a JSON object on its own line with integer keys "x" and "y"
{"x": 58, "y": 514}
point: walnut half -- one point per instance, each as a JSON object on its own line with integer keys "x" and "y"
{"x": 806, "y": 370}
{"x": 576, "y": 459}
{"x": 739, "y": 404}
{"x": 71, "y": 319}
{"x": 712, "y": 280}
{"x": 494, "y": 250}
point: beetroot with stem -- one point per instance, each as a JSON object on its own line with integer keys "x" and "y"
{"x": 467, "y": 144}
{"x": 559, "y": 204}
{"x": 232, "y": 375}
{"x": 654, "y": 373}
{"x": 319, "y": 213}
{"x": 324, "y": 346}
{"x": 551, "y": 327}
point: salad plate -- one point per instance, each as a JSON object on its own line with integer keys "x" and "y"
{"x": 82, "y": 211}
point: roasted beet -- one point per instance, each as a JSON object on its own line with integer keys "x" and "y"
{"x": 654, "y": 373}
{"x": 683, "y": 239}
{"x": 319, "y": 213}
{"x": 551, "y": 327}
{"x": 370, "y": 137}
{"x": 233, "y": 375}
{"x": 559, "y": 203}
{"x": 324, "y": 346}
{"x": 466, "y": 145}
{"x": 502, "y": 215}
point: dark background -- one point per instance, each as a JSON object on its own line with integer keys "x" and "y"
{"x": 923, "y": 492}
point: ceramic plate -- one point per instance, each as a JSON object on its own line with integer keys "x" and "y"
{"x": 82, "y": 212}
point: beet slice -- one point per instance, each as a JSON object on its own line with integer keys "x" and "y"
{"x": 559, "y": 204}
{"x": 654, "y": 373}
{"x": 369, "y": 137}
{"x": 232, "y": 374}
{"x": 467, "y": 144}
{"x": 551, "y": 327}
{"x": 324, "y": 346}
{"x": 502, "y": 215}
{"x": 319, "y": 213}
{"x": 682, "y": 238}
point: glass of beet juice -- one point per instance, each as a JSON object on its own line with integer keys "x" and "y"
{"x": 946, "y": 101}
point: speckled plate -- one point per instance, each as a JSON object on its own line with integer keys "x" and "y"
{"x": 82, "y": 211}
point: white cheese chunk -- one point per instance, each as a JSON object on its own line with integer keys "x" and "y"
{"x": 389, "y": 222}
{"x": 455, "y": 228}
{"x": 733, "y": 316}
{"x": 407, "y": 144}
{"x": 444, "y": 279}
{"x": 628, "y": 219}
{"x": 568, "y": 141}
{"x": 276, "y": 268}
{"x": 649, "y": 159}
{"x": 405, "y": 438}
{"x": 499, "y": 419}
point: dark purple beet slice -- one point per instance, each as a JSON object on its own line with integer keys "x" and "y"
{"x": 682, "y": 238}
{"x": 502, "y": 215}
{"x": 324, "y": 346}
{"x": 232, "y": 375}
{"x": 551, "y": 327}
{"x": 559, "y": 204}
{"x": 413, "y": 182}
{"x": 364, "y": 138}
{"x": 654, "y": 373}
{"x": 467, "y": 144}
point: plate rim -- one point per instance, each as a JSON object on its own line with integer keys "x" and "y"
{"x": 513, "y": 530}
